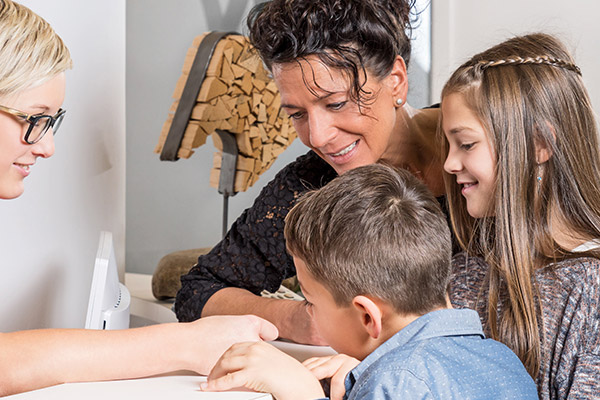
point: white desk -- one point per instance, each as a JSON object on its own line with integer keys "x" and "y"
{"x": 180, "y": 386}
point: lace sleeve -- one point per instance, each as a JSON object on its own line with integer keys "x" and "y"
{"x": 252, "y": 255}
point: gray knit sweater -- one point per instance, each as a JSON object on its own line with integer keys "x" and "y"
{"x": 570, "y": 300}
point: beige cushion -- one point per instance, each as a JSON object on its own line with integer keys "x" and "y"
{"x": 166, "y": 279}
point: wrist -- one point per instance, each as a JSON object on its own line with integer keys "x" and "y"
{"x": 284, "y": 314}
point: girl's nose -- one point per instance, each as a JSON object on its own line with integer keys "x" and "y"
{"x": 452, "y": 165}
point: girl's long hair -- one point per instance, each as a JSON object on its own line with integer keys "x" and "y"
{"x": 528, "y": 94}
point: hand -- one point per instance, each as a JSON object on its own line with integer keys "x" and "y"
{"x": 216, "y": 334}
{"x": 261, "y": 367}
{"x": 298, "y": 325}
{"x": 290, "y": 316}
{"x": 335, "y": 367}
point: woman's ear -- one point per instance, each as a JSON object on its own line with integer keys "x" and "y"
{"x": 398, "y": 80}
{"x": 370, "y": 315}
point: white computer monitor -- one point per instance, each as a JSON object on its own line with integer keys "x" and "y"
{"x": 109, "y": 302}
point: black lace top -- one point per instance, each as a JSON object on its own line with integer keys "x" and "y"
{"x": 253, "y": 255}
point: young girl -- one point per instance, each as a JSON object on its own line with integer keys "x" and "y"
{"x": 523, "y": 184}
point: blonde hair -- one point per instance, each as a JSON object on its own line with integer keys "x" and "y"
{"x": 31, "y": 53}
{"x": 528, "y": 92}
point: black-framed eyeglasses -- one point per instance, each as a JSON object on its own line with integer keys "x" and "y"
{"x": 39, "y": 124}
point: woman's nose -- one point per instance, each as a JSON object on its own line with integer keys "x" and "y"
{"x": 321, "y": 131}
{"x": 45, "y": 147}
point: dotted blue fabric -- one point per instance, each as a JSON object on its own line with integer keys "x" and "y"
{"x": 441, "y": 355}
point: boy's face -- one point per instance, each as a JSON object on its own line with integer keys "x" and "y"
{"x": 339, "y": 326}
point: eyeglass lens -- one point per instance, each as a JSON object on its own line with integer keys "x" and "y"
{"x": 43, "y": 124}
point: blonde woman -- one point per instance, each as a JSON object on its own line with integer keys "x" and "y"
{"x": 33, "y": 60}
{"x": 523, "y": 188}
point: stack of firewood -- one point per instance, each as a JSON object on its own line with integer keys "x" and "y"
{"x": 237, "y": 95}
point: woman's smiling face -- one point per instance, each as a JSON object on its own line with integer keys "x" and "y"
{"x": 16, "y": 156}
{"x": 328, "y": 121}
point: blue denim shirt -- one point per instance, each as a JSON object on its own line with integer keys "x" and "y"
{"x": 441, "y": 355}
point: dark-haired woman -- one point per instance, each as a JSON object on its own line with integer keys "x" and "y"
{"x": 340, "y": 66}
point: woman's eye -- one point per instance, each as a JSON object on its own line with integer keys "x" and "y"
{"x": 336, "y": 106}
{"x": 297, "y": 115}
{"x": 466, "y": 146}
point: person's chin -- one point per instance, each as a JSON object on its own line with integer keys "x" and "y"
{"x": 350, "y": 164}
{"x": 475, "y": 212}
{"x": 11, "y": 191}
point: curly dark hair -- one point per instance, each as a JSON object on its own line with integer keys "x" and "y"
{"x": 352, "y": 36}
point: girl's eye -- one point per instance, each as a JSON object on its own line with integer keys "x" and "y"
{"x": 336, "y": 106}
{"x": 307, "y": 303}
{"x": 467, "y": 146}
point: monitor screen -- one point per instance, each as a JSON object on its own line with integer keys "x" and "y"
{"x": 109, "y": 302}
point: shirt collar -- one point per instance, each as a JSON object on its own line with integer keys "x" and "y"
{"x": 439, "y": 323}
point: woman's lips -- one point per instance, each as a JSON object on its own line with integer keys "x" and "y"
{"x": 23, "y": 168}
{"x": 346, "y": 150}
{"x": 345, "y": 154}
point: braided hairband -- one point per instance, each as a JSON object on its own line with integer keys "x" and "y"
{"x": 554, "y": 62}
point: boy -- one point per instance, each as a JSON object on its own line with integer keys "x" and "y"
{"x": 372, "y": 252}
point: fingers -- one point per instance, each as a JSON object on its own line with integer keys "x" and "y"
{"x": 222, "y": 383}
{"x": 266, "y": 330}
{"x": 233, "y": 359}
{"x": 261, "y": 367}
{"x": 321, "y": 367}
{"x": 245, "y": 356}
{"x": 337, "y": 386}
{"x": 335, "y": 367}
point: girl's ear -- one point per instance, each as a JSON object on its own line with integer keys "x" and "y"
{"x": 543, "y": 149}
{"x": 370, "y": 315}
{"x": 398, "y": 80}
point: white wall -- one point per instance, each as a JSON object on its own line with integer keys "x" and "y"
{"x": 170, "y": 205}
{"x": 462, "y": 28}
{"x": 48, "y": 236}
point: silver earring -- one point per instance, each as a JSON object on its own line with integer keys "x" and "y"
{"x": 399, "y": 102}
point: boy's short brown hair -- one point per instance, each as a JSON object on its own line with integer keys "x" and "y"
{"x": 374, "y": 231}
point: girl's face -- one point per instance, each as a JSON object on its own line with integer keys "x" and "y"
{"x": 17, "y": 156}
{"x": 328, "y": 121}
{"x": 470, "y": 155}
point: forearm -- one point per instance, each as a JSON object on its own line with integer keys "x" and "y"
{"x": 40, "y": 358}
{"x": 289, "y": 316}
{"x": 236, "y": 301}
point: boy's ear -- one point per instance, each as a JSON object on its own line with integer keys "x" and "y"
{"x": 370, "y": 315}
{"x": 398, "y": 79}
{"x": 543, "y": 150}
